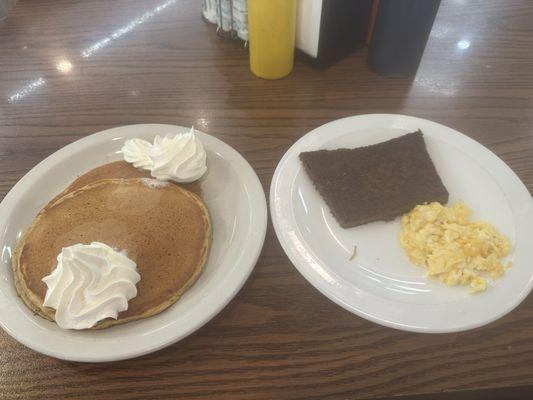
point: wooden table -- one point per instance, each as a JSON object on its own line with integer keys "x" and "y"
{"x": 70, "y": 68}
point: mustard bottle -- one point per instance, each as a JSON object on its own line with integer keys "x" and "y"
{"x": 271, "y": 26}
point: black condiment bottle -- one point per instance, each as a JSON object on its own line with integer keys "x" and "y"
{"x": 400, "y": 31}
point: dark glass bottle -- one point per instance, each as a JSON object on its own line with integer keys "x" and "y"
{"x": 401, "y": 30}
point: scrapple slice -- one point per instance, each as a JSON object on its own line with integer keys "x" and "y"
{"x": 375, "y": 183}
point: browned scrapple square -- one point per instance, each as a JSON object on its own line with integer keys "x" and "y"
{"x": 375, "y": 183}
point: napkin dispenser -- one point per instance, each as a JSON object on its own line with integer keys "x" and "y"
{"x": 328, "y": 30}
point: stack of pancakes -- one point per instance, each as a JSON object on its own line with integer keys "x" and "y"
{"x": 163, "y": 227}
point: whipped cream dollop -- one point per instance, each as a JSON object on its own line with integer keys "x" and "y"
{"x": 180, "y": 158}
{"x": 90, "y": 283}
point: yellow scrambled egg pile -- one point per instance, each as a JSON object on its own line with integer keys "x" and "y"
{"x": 452, "y": 248}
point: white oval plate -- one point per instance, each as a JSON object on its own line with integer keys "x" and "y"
{"x": 380, "y": 284}
{"x": 237, "y": 205}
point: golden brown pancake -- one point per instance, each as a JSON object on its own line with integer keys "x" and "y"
{"x": 118, "y": 169}
{"x": 164, "y": 228}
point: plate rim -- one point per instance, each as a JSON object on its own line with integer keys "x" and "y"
{"x": 249, "y": 256}
{"x": 304, "y": 270}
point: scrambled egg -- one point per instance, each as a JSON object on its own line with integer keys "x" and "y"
{"x": 452, "y": 248}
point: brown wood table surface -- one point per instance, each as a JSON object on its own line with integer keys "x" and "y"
{"x": 66, "y": 73}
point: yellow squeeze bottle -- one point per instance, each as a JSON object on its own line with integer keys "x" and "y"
{"x": 271, "y": 27}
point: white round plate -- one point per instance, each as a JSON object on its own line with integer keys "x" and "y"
{"x": 237, "y": 205}
{"x": 380, "y": 284}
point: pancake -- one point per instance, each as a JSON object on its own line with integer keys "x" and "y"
{"x": 119, "y": 169}
{"x": 164, "y": 228}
